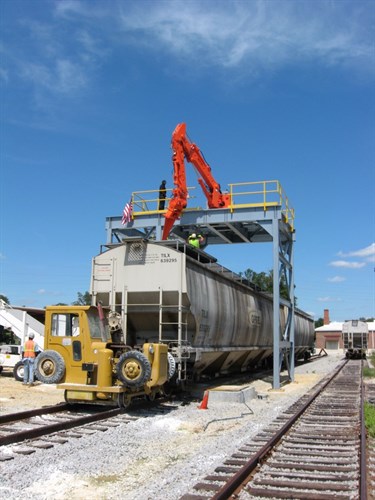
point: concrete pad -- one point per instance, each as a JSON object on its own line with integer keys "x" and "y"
{"x": 231, "y": 394}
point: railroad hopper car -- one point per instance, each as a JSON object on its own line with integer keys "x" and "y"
{"x": 213, "y": 321}
{"x": 355, "y": 338}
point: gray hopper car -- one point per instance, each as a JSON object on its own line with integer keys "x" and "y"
{"x": 213, "y": 321}
{"x": 355, "y": 337}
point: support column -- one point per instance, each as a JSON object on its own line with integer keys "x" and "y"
{"x": 276, "y": 305}
{"x": 158, "y": 228}
{"x": 291, "y": 311}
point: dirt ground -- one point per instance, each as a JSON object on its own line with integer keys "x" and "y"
{"x": 17, "y": 397}
{"x": 14, "y": 396}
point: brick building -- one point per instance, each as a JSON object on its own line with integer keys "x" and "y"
{"x": 329, "y": 336}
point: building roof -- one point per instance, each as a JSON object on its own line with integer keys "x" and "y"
{"x": 336, "y": 326}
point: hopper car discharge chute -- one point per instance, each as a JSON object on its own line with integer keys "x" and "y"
{"x": 184, "y": 149}
{"x": 94, "y": 366}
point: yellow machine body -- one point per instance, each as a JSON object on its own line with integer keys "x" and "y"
{"x": 157, "y": 354}
{"x": 81, "y": 358}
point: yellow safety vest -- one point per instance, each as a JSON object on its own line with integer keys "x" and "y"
{"x": 194, "y": 242}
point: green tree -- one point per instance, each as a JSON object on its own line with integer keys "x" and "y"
{"x": 319, "y": 322}
{"x": 84, "y": 299}
{"x": 4, "y": 298}
{"x": 264, "y": 282}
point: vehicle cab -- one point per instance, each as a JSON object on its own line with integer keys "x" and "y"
{"x": 10, "y": 357}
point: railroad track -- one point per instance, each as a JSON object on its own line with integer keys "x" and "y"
{"x": 370, "y": 398}
{"x": 313, "y": 451}
{"x": 23, "y": 433}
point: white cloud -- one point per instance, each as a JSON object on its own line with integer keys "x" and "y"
{"x": 62, "y": 51}
{"x": 65, "y": 7}
{"x": 367, "y": 253}
{"x": 346, "y": 264}
{"x": 257, "y": 34}
{"x": 336, "y": 279}
{"x": 84, "y": 9}
{"x": 61, "y": 77}
{"x": 2, "y": 256}
{"x": 329, "y": 299}
{"x": 364, "y": 252}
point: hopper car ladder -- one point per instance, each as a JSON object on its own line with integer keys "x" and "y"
{"x": 180, "y": 346}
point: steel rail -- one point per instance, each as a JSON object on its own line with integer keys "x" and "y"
{"x": 236, "y": 481}
{"x": 363, "y": 461}
{"x": 22, "y": 415}
{"x": 57, "y": 427}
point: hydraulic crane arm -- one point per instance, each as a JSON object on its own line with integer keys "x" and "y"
{"x": 183, "y": 148}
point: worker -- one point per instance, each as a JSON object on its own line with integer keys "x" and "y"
{"x": 162, "y": 195}
{"x": 195, "y": 240}
{"x": 29, "y": 352}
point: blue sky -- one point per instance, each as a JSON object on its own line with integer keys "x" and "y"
{"x": 92, "y": 90}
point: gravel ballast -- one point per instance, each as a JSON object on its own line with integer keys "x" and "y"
{"x": 158, "y": 457}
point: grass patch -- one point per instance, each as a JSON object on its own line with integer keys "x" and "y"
{"x": 368, "y": 372}
{"x": 370, "y": 419}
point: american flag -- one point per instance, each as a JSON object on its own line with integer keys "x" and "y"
{"x": 127, "y": 213}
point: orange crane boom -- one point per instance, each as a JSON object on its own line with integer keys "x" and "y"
{"x": 183, "y": 148}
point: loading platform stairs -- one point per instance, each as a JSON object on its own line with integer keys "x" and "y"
{"x": 22, "y": 323}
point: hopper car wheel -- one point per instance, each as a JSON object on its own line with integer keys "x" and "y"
{"x": 124, "y": 400}
{"x": 167, "y": 390}
{"x": 133, "y": 369}
{"x": 67, "y": 400}
{"x": 171, "y": 366}
{"x": 151, "y": 396}
{"x": 18, "y": 371}
{"x": 50, "y": 367}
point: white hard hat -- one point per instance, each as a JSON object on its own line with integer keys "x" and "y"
{"x": 31, "y": 335}
{"x": 193, "y": 235}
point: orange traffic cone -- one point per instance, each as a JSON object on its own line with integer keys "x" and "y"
{"x": 204, "y": 403}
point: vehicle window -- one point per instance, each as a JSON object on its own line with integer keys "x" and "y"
{"x": 9, "y": 349}
{"x": 75, "y": 326}
{"x": 65, "y": 325}
{"x": 97, "y": 331}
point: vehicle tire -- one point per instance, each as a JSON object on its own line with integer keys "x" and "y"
{"x": 133, "y": 369}
{"x": 171, "y": 366}
{"x": 18, "y": 371}
{"x": 50, "y": 367}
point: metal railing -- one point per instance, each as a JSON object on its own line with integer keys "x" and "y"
{"x": 263, "y": 194}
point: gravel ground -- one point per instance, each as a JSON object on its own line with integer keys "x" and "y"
{"x": 158, "y": 457}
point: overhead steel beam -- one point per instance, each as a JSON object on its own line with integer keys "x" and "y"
{"x": 218, "y": 233}
{"x": 238, "y": 232}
